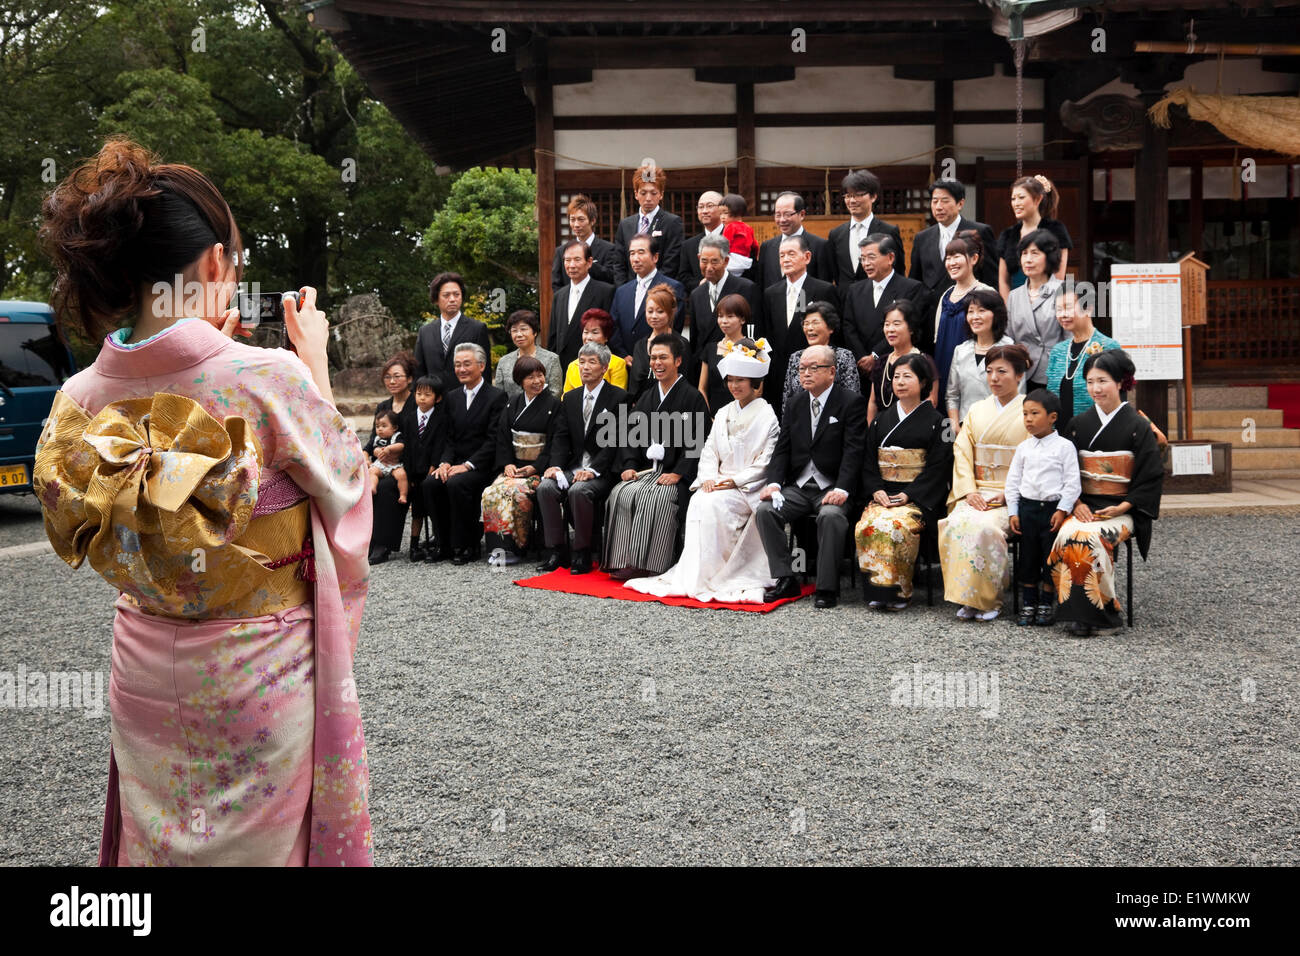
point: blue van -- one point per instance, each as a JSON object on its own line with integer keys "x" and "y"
{"x": 34, "y": 362}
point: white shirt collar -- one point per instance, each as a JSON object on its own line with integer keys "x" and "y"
{"x": 471, "y": 393}
{"x": 580, "y": 287}
{"x": 590, "y": 239}
{"x": 714, "y": 232}
{"x": 594, "y": 392}
{"x": 822, "y": 397}
{"x": 452, "y": 321}
{"x": 649, "y": 215}
{"x": 645, "y": 282}
{"x": 862, "y": 222}
{"x": 796, "y": 284}
{"x": 881, "y": 285}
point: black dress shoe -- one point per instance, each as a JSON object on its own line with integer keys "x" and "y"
{"x": 434, "y": 555}
{"x": 378, "y": 555}
{"x": 416, "y": 553}
{"x": 826, "y": 599}
{"x": 461, "y": 558}
{"x": 784, "y": 588}
{"x": 627, "y": 574}
{"x": 552, "y": 563}
{"x": 581, "y": 563}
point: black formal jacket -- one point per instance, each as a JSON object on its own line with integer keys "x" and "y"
{"x": 429, "y": 354}
{"x": 835, "y": 254}
{"x": 425, "y": 451}
{"x": 406, "y": 424}
{"x": 569, "y": 443}
{"x": 924, "y": 428}
{"x": 704, "y": 320}
{"x": 864, "y": 323}
{"x": 564, "y": 337}
{"x": 606, "y": 266}
{"x": 690, "y": 265}
{"x": 837, "y": 447}
{"x": 682, "y": 455}
{"x": 769, "y": 262}
{"x": 784, "y": 339}
{"x": 542, "y": 416}
{"x": 927, "y": 265}
{"x": 671, "y": 235}
{"x": 472, "y": 436}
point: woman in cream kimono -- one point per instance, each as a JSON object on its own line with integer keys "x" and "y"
{"x": 218, "y": 489}
{"x": 973, "y": 538}
{"x": 723, "y": 559}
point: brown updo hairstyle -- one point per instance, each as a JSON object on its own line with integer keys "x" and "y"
{"x": 1044, "y": 193}
{"x": 966, "y": 243}
{"x": 1017, "y": 356}
{"x": 123, "y": 220}
{"x": 663, "y": 296}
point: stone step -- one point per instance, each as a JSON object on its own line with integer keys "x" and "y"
{"x": 1230, "y": 418}
{"x": 1263, "y": 437}
{"x": 1261, "y": 474}
{"x": 1265, "y": 459}
{"x": 1229, "y": 396}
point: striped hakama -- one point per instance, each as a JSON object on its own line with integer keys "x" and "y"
{"x": 641, "y": 524}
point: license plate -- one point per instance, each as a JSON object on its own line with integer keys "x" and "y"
{"x": 12, "y": 475}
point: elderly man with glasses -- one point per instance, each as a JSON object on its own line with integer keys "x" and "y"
{"x": 815, "y": 470}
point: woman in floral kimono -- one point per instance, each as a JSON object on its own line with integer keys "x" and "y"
{"x": 216, "y": 486}
{"x": 1122, "y": 476}
{"x": 973, "y": 538}
{"x": 905, "y": 472}
{"x": 523, "y": 455}
{"x": 723, "y": 559}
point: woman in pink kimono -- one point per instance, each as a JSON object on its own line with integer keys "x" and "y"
{"x": 216, "y": 486}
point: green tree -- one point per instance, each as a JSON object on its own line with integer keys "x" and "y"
{"x": 487, "y": 231}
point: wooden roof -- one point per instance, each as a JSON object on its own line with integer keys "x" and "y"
{"x": 431, "y": 61}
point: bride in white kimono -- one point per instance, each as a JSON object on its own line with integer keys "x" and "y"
{"x": 723, "y": 559}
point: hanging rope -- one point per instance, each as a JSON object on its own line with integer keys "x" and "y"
{"x": 1020, "y": 107}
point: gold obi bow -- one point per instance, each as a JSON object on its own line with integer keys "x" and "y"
{"x": 900, "y": 464}
{"x": 155, "y": 492}
{"x": 528, "y": 445}
{"x": 992, "y": 462}
{"x": 1105, "y": 472}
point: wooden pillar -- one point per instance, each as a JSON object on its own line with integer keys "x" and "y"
{"x": 945, "y": 130}
{"x": 1151, "y": 231}
{"x": 547, "y": 227}
{"x": 746, "y": 145}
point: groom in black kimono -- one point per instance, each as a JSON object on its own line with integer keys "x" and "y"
{"x": 815, "y": 469}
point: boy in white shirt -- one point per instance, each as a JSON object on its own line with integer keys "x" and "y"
{"x": 1042, "y": 487}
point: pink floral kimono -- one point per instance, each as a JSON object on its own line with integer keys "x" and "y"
{"x": 211, "y": 484}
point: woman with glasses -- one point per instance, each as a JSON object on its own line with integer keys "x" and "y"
{"x": 820, "y": 322}
{"x": 398, "y": 378}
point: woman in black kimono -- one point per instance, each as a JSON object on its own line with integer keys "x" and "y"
{"x": 905, "y": 472}
{"x": 389, "y": 513}
{"x": 523, "y": 455}
{"x": 1122, "y": 475}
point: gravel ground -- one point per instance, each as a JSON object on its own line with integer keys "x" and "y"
{"x": 509, "y": 725}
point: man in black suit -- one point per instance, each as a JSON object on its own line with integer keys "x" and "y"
{"x": 815, "y": 469}
{"x": 867, "y": 302}
{"x": 437, "y": 340}
{"x": 709, "y": 211}
{"x": 628, "y": 307}
{"x": 841, "y": 261}
{"x": 583, "y": 469}
{"x": 653, "y": 221}
{"x": 789, "y": 214}
{"x": 786, "y": 301}
{"x": 607, "y": 265}
{"x": 947, "y": 197}
{"x": 581, "y": 291}
{"x": 716, "y": 283}
{"x": 453, "y": 491}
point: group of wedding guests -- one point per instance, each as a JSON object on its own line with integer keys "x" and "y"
{"x": 962, "y": 402}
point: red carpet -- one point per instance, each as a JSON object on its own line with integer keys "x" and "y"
{"x": 1287, "y": 398}
{"x": 599, "y": 584}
